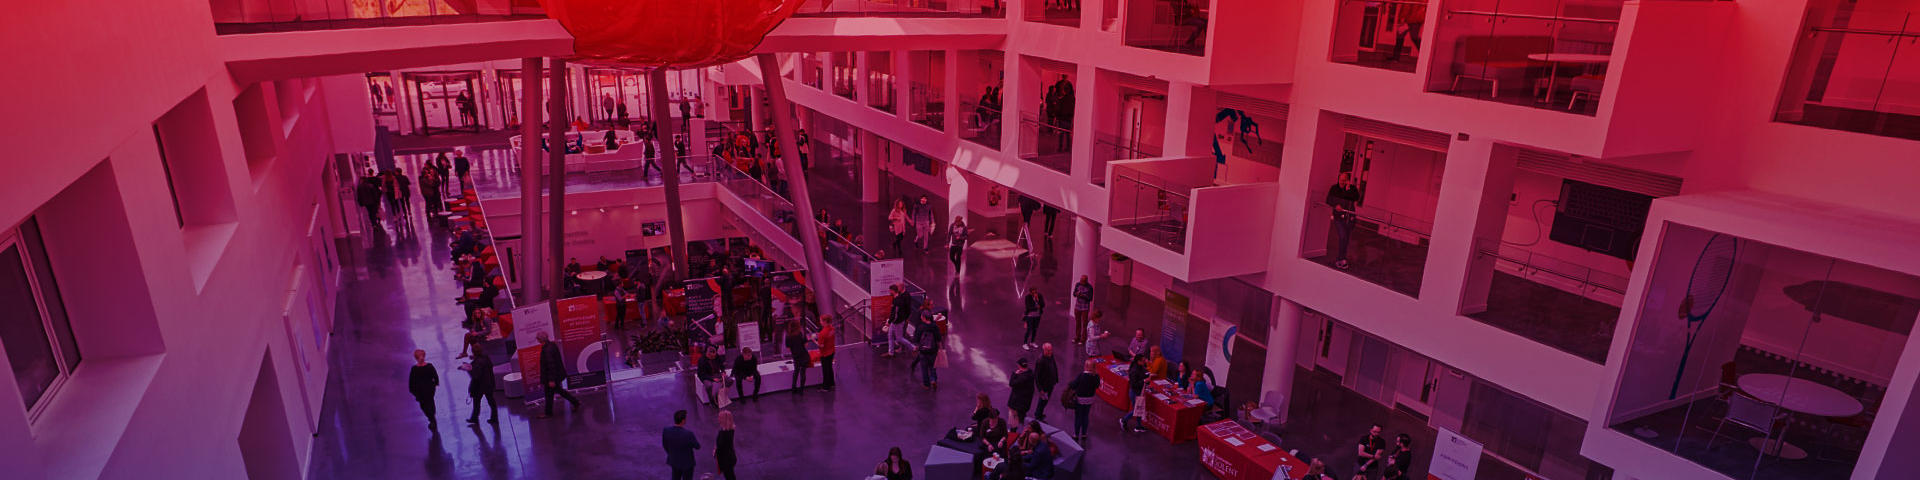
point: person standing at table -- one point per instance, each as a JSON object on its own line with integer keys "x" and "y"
{"x": 422, "y": 381}
{"x": 1138, "y": 346}
{"x": 480, "y": 386}
{"x": 745, "y": 368}
{"x": 724, "y": 456}
{"x": 1034, "y": 307}
{"x": 1020, "y": 400}
{"x": 1080, "y": 396}
{"x": 553, "y": 372}
{"x": 680, "y": 444}
{"x": 1370, "y": 449}
{"x": 797, "y": 347}
{"x": 1401, "y": 461}
{"x": 620, "y": 291}
{"x": 1046, "y": 375}
{"x": 1082, "y": 303}
{"x": 1136, "y": 383}
{"x": 826, "y": 341}
{"x": 1095, "y": 333}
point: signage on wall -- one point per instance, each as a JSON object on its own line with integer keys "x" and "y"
{"x": 886, "y": 273}
{"x": 582, "y": 341}
{"x": 528, "y": 323}
{"x": 1455, "y": 457}
{"x": 1173, "y": 325}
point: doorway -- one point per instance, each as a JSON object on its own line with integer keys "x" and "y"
{"x": 445, "y": 102}
{"x": 266, "y": 441}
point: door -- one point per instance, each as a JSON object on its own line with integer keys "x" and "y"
{"x": 445, "y": 101}
{"x": 1335, "y": 342}
{"x": 1413, "y": 381}
{"x": 1370, "y": 360}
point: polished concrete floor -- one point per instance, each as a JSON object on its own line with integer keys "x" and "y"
{"x": 1571, "y": 323}
{"x": 1376, "y": 258}
{"x": 400, "y": 298}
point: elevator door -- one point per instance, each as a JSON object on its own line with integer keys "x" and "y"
{"x": 445, "y": 102}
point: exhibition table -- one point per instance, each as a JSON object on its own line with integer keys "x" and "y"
{"x": 1172, "y": 414}
{"x": 1113, "y": 381}
{"x": 1232, "y": 452}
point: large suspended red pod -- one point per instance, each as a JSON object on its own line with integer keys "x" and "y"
{"x": 676, "y": 34}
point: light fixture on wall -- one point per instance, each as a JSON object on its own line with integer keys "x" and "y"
{"x": 573, "y": 212}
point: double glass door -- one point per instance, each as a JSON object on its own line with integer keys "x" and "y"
{"x": 445, "y": 101}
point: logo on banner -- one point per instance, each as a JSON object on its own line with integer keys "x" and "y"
{"x": 1217, "y": 463}
{"x": 1155, "y": 421}
{"x": 1226, "y": 341}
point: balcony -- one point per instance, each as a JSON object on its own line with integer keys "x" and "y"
{"x": 1379, "y": 225}
{"x": 1064, "y": 13}
{"x": 980, "y": 124}
{"x": 1166, "y": 214}
{"x": 1383, "y": 34}
{"x": 905, "y": 8}
{"x": 1856, "y": 70}
{"x": 844, "y": 74}
{"x": 1048, "y": 143}
{"x": 265, "y": 16}
{"x": 1550, "y": 54}
{"x": 1178, "y": 26}
{"x": 880, "y": 91}
{"x": 1108, "y": 149}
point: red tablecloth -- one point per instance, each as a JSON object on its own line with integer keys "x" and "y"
{"x": 1172, "y": 415}
{"x": 1246, "y": 461}
{"x": 606, "y": 308}
{"x": 676, "y": 302}
{"x": 1113, "y": 385}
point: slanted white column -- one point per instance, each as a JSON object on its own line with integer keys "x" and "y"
{"x": 802, "y": 200}
{"x": 663, "y": 125}
{"x": 531, "y": 276}
{"x": 1283, "y": 343}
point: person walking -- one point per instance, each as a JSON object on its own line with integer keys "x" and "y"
{"x": 1082, "y": 390}
{"x": 897, "y": 320}
{"x": 1046, "y": 375}
{"x": 802, "y": 359}
{"x": 1136, "y": 384}
{"x": 1020, "y": 399}
{"x": 553, "y": 372}
{"x": 480, "y": 386}
{"x": 1344, "y": 198}
{"x": 1082, "y": 303}
{"x": 461, "y": 165}
{"x": 1048, "y": 213}
{"x": 724, "y": 456}
{"x": 368, "y": 196}
{"x": 898, "y": 220}
{"x": 1034, "y": 307}
{"x": 927, "y": 341}
{"x": 956, "y": 242}
{"x": 745, "y": 368}
{"x": 680, "y": 444}
{"x": 825, "y": 338}
{"x": 923, "y": 223}
{"x": 422, "y": 381}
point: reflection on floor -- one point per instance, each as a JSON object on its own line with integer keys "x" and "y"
{"x": 399, "y": 297}
{"x": 1551, "y": 316}
{"x": 1373, "y": 257}
{"x": 1832, "y": 445}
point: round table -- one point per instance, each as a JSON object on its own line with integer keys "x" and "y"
{"x": 1797, "y": 395}
{"x": 592, "y": 275}
{"x": 1573, "y": 58}
{"x": 474, "y": 293}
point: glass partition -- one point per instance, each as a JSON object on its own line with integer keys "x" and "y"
{"x": 1374, "y": 219}
{"x": 1058, "y": 12}
{"x": 928, "y": 88}
{"x": 1150, "y": 208}
{"x": 1108, "y": 148}
{"x": 1047, "y": 143}
{"x": 980, "y": 123}
{"x": 263, "y": 16}
{"x": 1856, "y": 68}
{"x": 904, "y": 8}
{"x": 1379, "y": 33}
{"x": 843, "y": 74}
{"x": 1760, "y": 361}
{"x": 1549, "y": 54}
{"x": 1178, "y": 26}
{"x": 811, "y": 70}
{"x": 880, "y": 91}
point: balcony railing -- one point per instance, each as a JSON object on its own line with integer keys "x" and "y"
{"x": 264, "y": 16}
{"x": 904, "y": 8}
{"x": 1056, "y": 12}
{"x": 1046, "y": 144}
{"x": 1570, "y": 275}
{"x": 929, "y": 104}
{"x": 1151, "y": 208}
{"x": 1512, "y": 55}
{"x": 1178, "y": 26}
{"x": 1108, "y": 148}
{"x": 1379, "y": 33}
{"x": 1863, "y": 76}
{"x": 980, "y": 124}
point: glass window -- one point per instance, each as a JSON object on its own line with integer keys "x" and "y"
{"x": 33, "y": 324}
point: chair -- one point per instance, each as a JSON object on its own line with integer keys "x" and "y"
{"x": 1750, "y": 413}
{"x": 1585, "y": 86}
{"x": 1729, "y": 378}
{"x": 1494, "y": 58}
{"x": 1269, "y": 412}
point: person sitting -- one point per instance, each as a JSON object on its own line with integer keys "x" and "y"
{"x": 1202, "y": 384}
{"x": 991, "y": 433}
{"x": 1182, "y": 375}
{"x": 1038, "y": 457}
{"x": 612, "y": 141}
{"x": 895, "y": 466}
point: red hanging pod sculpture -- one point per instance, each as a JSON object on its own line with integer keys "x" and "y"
{"x": 676, "y": 34}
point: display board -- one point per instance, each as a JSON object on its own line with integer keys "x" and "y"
{"x": 582, "y": 341}
{"x": 1173, "y": 325}
{"x": 1455, "y": 457}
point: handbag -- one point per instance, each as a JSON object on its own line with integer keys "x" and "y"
{"x": 940, "y": 359}
{"x": 1140, "y": 406}
{"x": 723, "y": 400}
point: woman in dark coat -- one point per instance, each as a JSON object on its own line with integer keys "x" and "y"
{"x": 1021, "y": 399}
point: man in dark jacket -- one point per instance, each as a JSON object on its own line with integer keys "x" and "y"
{"x": 903, "y": 309}
{"x": 368, "y": 196}
{"x": 422, "y": 380}
{"x": 1034, "y": 308}
{"x": 461, "y": 165}
{"x": 680, "y": 444}
{"x": 480, "y": 386}
{"x": 553, "y": 372}
{"x": 926, "y": 340}
{"x": 1047, "y": 375}
{"x": 1020, "y": 399}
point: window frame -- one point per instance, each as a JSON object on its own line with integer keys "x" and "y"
{"x": 12, "y": 238}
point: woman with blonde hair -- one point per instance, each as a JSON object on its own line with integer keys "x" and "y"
{"x": 723, "y": 454}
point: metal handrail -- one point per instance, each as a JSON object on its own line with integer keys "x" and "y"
{"x": 1531, "y": 16}
{"x": 1497, "y": 250}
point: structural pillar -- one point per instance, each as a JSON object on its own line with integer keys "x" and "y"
{"x": 870, "y": 155}
{"x": 557, "y": 177}
{"x": 1086, "y": 252}
{"x": 670, "y": 168}
{"x": 532, "y": 276}
{"x": 756, "y": 109}
{"x": 1283, "y": 343}
{"x": 802, "y": 200}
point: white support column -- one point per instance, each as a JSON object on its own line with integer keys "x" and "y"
{"x": 1190, "y": 110}
{"x": 1283, "y": 343}
{"x": 756, "y": 108}
{"x": 1022, "y": 84}
{"x": 950, "y": 112}
{"x": 902, "y": 87}
{"x": 802, "y": 200}
{"x": 557, "y": 177}
{"x": 862, "y": 72}
{"x": 870, "y": 155}
{"x": 663, "y": 125}
{"x": 1087, "y": 85}
{"x": 1455, "y": 221}
{"x": 1086, "y": 253}
{"x": 531, "y": 278}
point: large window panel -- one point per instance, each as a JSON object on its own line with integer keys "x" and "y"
{"x": 22, "y": 331}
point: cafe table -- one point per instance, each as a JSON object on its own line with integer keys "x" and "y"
{"x": 1798, "y": 395}
{"x": 1171, "y": 413}
{"x": 1232, "y": 452}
